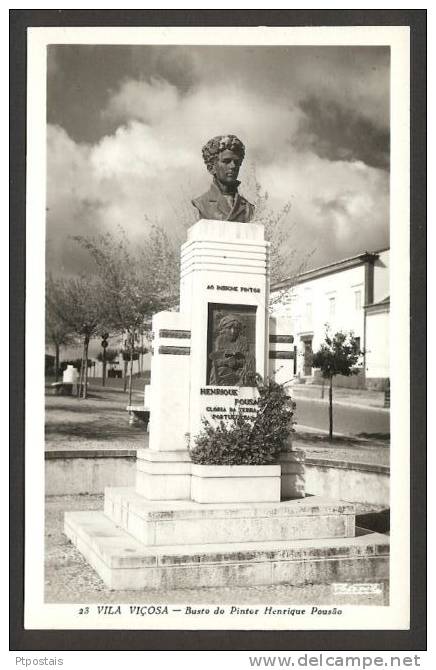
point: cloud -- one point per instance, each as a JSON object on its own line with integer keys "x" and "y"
{"x": 181, "y": 123}
{"x": 355, "y": 78}
{"x": 150, "y": 166}
{"x": 143, "y": 100}
{"x": 333, "y": 132}
{"x": 338, "y": 208}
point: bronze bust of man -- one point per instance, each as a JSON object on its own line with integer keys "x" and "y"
{"x": 223, "y": 156}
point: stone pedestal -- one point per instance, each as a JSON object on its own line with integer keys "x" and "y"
{"x": 224, "y": 271}
{"x": 163, "y": 523}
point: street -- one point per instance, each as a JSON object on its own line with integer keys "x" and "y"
{"x": 350, "y": 420}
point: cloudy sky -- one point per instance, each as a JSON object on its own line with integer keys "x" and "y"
{"x": 126, "y": 126}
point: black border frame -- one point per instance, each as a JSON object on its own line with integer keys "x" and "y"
{"x": 336, "y": 640}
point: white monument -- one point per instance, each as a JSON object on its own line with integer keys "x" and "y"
{"x": 189, "y": 525}
{"x": 224, "y": 277}
{"x": 70, "y": 375}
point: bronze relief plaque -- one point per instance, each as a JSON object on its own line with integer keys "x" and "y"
{"x": 231, "y": 345}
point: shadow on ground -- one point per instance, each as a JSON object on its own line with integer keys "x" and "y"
{"x": 379, "y": 522}
{"x": 73, "y": 405}
{"x": 93, "y": 430}
{"x": 80, "y": 406}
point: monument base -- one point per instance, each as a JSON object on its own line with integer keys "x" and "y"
{"x": 141, "y": 544}
{"x": 125, "y": 563}
{"x": 183, "y": 522}
{"x": 170, "y": 475}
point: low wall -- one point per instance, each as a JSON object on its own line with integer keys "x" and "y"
{"x": 353, "y": 482}
{"x": 359, "y": 381}
{"x": 341, "y": 381}
{"x": 78, "y": 472}
{"x": 376, "y": 383}
{"x": 75, "y": 472}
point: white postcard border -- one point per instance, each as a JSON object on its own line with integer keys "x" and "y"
{"x": 39, "y": 615}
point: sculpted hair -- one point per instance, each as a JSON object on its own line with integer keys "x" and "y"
{"x": 220, "y": 143}
{"x": 227, "y": 320}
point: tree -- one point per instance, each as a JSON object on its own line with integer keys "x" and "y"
{"x": 106, "y": 356}
{"x": 161, "y": 262}
{"x": 77, "y": 304}
{"x": 137, "y": 281}
{"x": 129, "y": 353}
{"x": 111, "y": 355}
{"x": 338, "y": 355}
{"x": 57, "y": 332}
{"x": 285, "y": 263}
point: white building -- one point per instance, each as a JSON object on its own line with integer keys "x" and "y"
{"x": 349, "y": 295}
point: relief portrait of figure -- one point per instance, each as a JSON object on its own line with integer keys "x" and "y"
{"x": 233, "y": 364}
{"x": 223, "y": 156}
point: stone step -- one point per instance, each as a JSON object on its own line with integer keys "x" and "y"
{"x": 125, "y": 563}
{"x": 187, "y": 522}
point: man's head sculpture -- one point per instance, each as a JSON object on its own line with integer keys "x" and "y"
{"x": 220, "y": 144}
{"x": 223, "y": 156}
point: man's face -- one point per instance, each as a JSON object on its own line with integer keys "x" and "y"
{"x": 226, "y": 168}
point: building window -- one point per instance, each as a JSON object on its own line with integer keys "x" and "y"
{"x": 358, "y": 300}
{"x": 308, "y": 310}
{"x": 332, "y": 308}
{"x": 357, "y": 340}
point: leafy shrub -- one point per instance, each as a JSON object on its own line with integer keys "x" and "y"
{"x": 245, "y": 442}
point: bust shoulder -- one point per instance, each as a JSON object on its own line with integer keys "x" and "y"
{"x": 201, "y": 199}
{"x": 206, "y": 204}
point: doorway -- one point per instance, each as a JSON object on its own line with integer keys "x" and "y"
{"x": 308, "y": 354}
